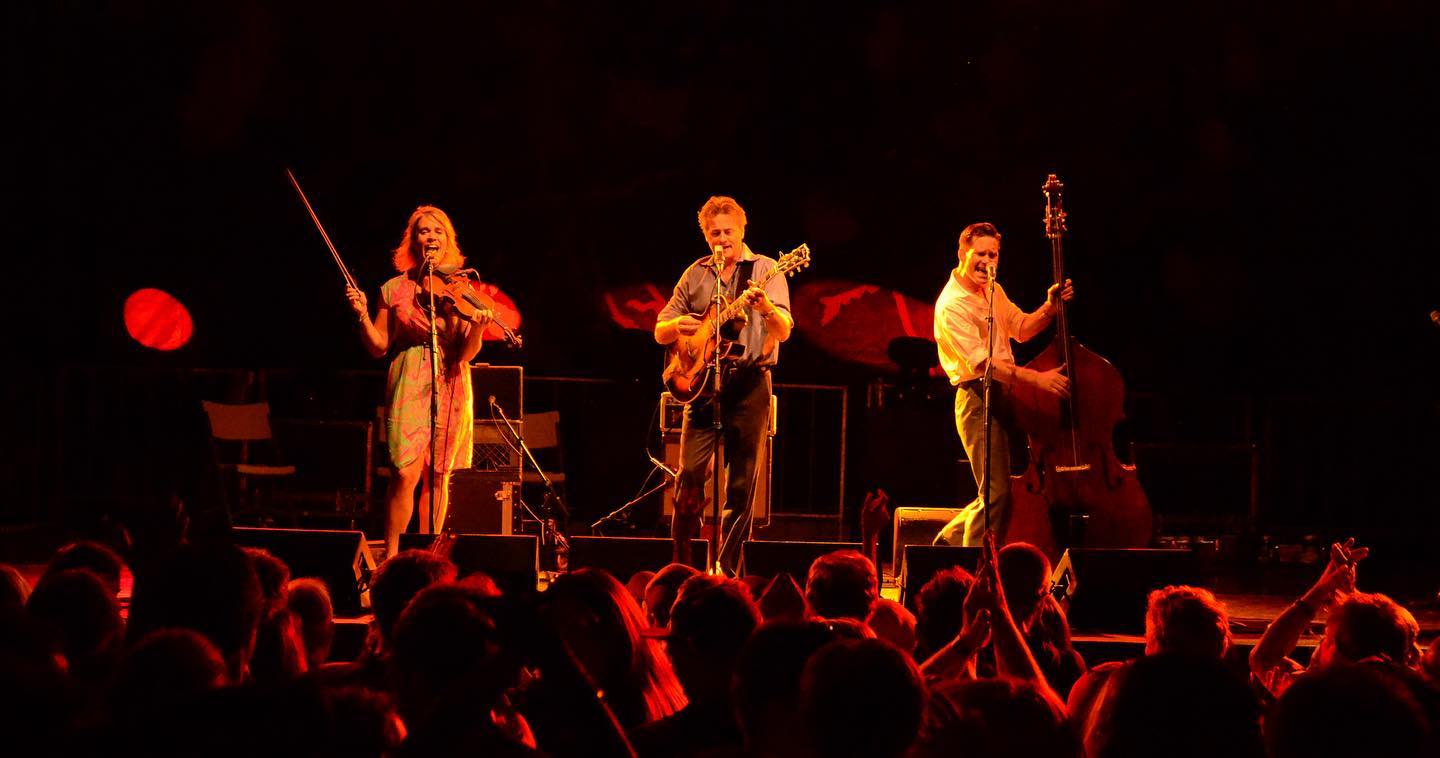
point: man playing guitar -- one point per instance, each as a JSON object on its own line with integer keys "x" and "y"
{"x": 745, "y": 393}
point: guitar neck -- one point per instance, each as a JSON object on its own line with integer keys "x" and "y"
{"x": 732, "y": 310}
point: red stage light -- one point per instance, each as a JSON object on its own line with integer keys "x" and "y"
{"x": 855, "y": 321}
{"x": 505, "y": 310}
{"x": 157, "y": 320}
{"x": 635, "y": 306}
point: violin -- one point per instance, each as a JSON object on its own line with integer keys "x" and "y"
{"x": 459, "y": 289}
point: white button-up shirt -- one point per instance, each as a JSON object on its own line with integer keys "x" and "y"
{"x": 960, "y": 329}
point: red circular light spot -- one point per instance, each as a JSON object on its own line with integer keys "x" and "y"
{"x": 504, "y": 308}
{"x": 157, "y": 320}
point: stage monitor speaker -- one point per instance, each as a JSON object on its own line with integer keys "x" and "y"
{"x": 765, "y": 558}
{"x": 495, "y": 447}
{"x": 511, "y": 560}
{"x": 922, "y": 562}
{"x": 624, "y": 557}
{"x": 506, "y": 383}
{"x": 1106, "y": 589}
{"x": 481, "y": 502}
{"x": 672, "y": 416}
{"x": 339, "y": 558}
{"x": 917, "y": 526}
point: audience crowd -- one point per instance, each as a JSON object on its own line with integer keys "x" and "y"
{"x": 222, "y": 652}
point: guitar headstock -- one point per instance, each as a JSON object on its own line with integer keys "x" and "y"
{"x": 792, "y": 261}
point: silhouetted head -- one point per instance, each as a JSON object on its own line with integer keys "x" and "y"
{"x": 709, "y": 624}
{"x": 637, "y": 584}
{"x": 601, "y": 624}
{"x": 861, "y": 697}
{"x": 1176, "y": 706}
{"x": 940, "y": 609}
{"x": 273, "y": 574}
{"x": 894, "y": 624}
{"x": 767, "y": 683}
{"x": 446, "y": 640}
{"x": 399, "y": 579}
{"x": 660, "y": 593}
{"x": 210, "y": 588}
{"x": 842, "y": 584}
{"x": 1346, "y": 710}
{"x": 1002, "y": 717}
{"x": 309, "y": 600}
{"x": 1188, "y": 621}
{"x": 1368, "y": 625}
{"x": 1025, "y": 574}
{"x": 93, "y": 556}
{"x": 82, "y": 616}
{"x": 165, "y": 669}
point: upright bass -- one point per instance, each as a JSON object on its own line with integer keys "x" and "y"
{"x": 1075, "y": 491}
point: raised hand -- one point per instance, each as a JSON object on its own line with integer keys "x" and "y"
{"x": 988, "y": 592}
{"x": 1339, "y": 576}
{"x": 874, "y": 514}
{"x": 755, "y": 297}
{"x": 358, "y": 302}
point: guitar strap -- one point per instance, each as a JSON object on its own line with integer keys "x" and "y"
{"x": 743, "y": 273}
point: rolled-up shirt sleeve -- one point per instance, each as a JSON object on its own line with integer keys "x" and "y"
{"x": 778, "y": 290}
{"x": 1012, "y": 314}
{"x": 679, "y": 304}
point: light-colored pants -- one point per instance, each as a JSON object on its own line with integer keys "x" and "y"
{"x": 968, "y": 527}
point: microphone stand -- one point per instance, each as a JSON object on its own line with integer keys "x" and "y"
{"x": 717, "y": 303}
{"x": 986, "y": 383}
{"x": 434, "y": 392}
{"x": 551, "y": 535}
{"x": 669, "y": 476}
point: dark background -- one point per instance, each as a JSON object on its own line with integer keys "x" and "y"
{"x": 1250, "y": 187}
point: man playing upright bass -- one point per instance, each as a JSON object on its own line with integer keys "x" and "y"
{"x": 961, "y": 334}
{"x": 745, "y": 394}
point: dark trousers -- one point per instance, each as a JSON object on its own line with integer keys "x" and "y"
{"x": 745, "y": 417}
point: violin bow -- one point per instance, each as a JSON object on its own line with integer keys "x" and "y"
{"x": 344, "y": 272}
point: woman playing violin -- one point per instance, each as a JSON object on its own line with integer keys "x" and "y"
{"x": 401, "y": 328}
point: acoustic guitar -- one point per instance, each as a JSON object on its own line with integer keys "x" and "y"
{"x": 687, "y": 367}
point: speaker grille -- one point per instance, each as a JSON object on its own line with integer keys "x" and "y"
{"x": 495, "y": 451}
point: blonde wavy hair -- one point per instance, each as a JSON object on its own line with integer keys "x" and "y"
{"x": 407, "y": 256}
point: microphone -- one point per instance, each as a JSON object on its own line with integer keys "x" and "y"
{"x": 492, "y": 401}
{"x": 718, "y": 259}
